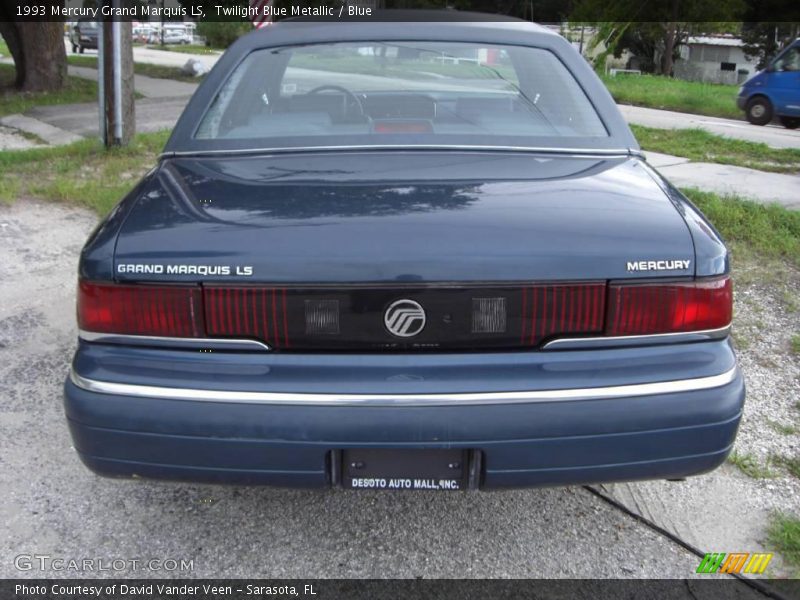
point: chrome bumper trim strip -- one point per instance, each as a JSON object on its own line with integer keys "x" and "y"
{"x": 174, "y": 342}
{"x": 333, "y": 399}
{"x": 637, "y": 340}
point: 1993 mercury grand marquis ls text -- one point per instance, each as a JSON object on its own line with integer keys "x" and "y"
{"x": 413, "y": 256}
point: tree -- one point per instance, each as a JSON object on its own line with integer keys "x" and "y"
{"x": 37, "y": 48}
{"x": 764, "y": 40}
{"x": 763, "y": 37}
{"x": 655, "y": 31}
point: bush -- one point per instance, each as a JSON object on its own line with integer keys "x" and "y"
{"x": 221, "y": 34}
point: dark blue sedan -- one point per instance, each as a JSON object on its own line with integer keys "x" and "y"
{"x": 393, "y": 255}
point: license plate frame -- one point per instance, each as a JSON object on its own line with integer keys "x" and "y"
{"x": 436, "y": 469}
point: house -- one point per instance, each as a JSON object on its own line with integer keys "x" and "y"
{"x": 714, "y": 59}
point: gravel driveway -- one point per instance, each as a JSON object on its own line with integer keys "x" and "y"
{"x": 53, "y": 505}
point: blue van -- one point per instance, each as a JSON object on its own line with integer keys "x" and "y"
{"x": 774, "y": 91}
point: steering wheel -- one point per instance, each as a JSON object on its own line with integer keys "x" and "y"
{"x": 350, "y": 96}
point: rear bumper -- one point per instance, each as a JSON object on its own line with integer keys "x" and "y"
{"x": 557, "y": 441}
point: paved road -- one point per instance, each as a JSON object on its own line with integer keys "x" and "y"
{"x": 53, "y": 505}
{"x": 152, "y": 114}
{"x": 149, "y": 87}
{"x": 160, "y": 57}
{"x": 773, "y": 135}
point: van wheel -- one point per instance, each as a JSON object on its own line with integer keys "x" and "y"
{"x": 759, "y": 111}
{"x": 81, "y": 49}
{"x": 790, "y": 122}
{"x": 74, "y": 48}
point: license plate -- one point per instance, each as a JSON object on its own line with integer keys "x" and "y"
{"x": 388, "y": 469}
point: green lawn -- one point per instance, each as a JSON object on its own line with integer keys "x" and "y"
{"x": 12, "y": 101}
{"x": 665, "y": 93}
{"x": 186, "y": 48}
{"x": 699, "y": 145}
{"x": 146, "y": 69}
{"x": 768, "y": 231}
{"x": 83, "y": 173}
{"x": 784, "y": 536}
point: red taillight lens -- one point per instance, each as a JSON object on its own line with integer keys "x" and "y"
{"x": 669, "y": 308}
{"x": 140, "y": 310}
{"x": 557, "y": 310}
{"x": 249, "y": 312}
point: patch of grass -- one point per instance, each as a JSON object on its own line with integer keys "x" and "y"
{"x": 654, "y": 91}
{"x": 749, "y": 465}
{"x": 741, "y": 340}
{"x": 791, "y": 464}
{"x": 4, "y": 48}
{"x": 794, "y": 343}
{"x": 770, "y": 230}
{"x": 702, "y": 146}
{"x": 146, "y": 69}
{"x": 790, "y": 301}
{"x": 783, "y": 534}
{"x": 31, "y": 137}
{"x": 13, "y": 101}
{"x": 783, "y": 429}
{"x": 83, "y": 173}
{"x": 185, "y": 49}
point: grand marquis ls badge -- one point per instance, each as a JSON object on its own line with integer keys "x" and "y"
{"x": 404, "y": 318}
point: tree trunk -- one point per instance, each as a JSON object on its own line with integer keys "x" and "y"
{"x": 45, "y": 58}
{"x": 37, "y": 48}
{"x": 670, "y": 39}
{"x": 669, "y": 50}
{"x": 8, "y": 29}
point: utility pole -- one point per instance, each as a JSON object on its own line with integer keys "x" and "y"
{"x": 118, "y": 118}
{"x": 101, "y": 81}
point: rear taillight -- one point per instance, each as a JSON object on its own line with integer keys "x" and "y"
{"x": 559, "y": 310}
{"x": 174, "y": 311}
{"x": 247, "y": 312}
{"x": 646, "y": 309}
{"x": 311, "y": 319}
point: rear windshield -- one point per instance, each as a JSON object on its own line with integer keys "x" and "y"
{"x": 373, "y": 93}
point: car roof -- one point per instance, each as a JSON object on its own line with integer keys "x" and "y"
{"x": 427, "y": 25}
{"x": 427, "y": 15}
